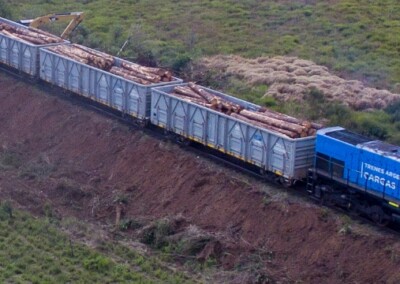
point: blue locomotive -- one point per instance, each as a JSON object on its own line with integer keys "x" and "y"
{"x": 357, "y": 172}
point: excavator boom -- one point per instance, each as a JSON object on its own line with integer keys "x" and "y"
{"x": 75, "y": 19}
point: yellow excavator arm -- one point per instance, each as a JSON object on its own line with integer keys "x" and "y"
{"x": 75, "y": 19}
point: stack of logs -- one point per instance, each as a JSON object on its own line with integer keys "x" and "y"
{"x": 85, "y": 55}
{"x": 131, "y": 71}
{"x": 267, "y": 119}
{"x": 28, "y": 35}
{"x": 141, "y": 74}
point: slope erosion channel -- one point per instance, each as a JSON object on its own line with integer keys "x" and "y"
{"x": 93, "y": 167}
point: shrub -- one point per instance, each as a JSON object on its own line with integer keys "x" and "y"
{"x": 97, "y": 263}
{"x": 394, "y": 111}
{"x": 180, "y": 63}
{"x": 127, "y": 224}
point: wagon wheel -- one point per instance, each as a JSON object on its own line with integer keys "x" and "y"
{"x": 143, "y": 123}
{"x": 268, "y": 176}
{"x": 286, "y": 182}
{"x": 378, "y": 216}
{"x": 183, "y": 141}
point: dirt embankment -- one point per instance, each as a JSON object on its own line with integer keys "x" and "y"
{"x": 83, "y": 164}
{"x": 291, "y": 78}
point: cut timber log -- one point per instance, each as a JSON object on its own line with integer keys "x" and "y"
{"x": 316, "y": 125}
{"x": 95, "y": 52}
{"x": 147, "y": 77}
{"x": 165, "y": 75}
{"x": 194, "y": 100}
{"x": 13, "y": 36}
{"x": 120, "y": 72}
{"x": 223, "y": 105}
{"x": 31, "y": 35}
{"x": 229, "y": 107}
{"x": 299, "y": 129}
{"x": 284, "y": 117}
{"x": 88, "y": 58}
{"x": 288, "y": 133}
{"x": 312, "y": 132}
{"x": 188, "y": 92}
{"x": 33, "y": 40}
{"x": 206, "y": 95}
{"x": 197, "y": 92}
{"x": 64, "y": 50}
{"x": 29, "y": 38}
{"x": 281, "y": 116}
{"x": 287, "y": 118}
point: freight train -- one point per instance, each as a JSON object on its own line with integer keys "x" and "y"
{"x": 335, "y": 165}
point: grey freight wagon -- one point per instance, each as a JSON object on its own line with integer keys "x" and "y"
{"x": 272, "y": 152}
{"x": 127, "y": 96}
{"x": 20, "y": 54}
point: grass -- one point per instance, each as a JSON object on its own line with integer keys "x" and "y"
{"x": 354, "y": 37}
{"x": 34, "y": 250}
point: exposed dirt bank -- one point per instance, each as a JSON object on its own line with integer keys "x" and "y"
{"x": 83, "y": 164}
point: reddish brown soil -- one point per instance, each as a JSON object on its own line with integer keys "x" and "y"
{"x": 80, "y": 162}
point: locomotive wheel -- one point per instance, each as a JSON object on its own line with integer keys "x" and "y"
{"x": 327, "y": 200}
{"x": 378, "y": 216}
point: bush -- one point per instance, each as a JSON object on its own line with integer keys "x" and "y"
{"x": 97, "y": 263}
{"x": 127, "y": 224}
{"x": 180, "y": 63}
{"x": 394, "y": 111}
{"x": 373, "y": 124}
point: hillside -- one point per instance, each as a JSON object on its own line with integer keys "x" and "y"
{"x": 97, "y": 200}
{"x": 61, "y": 158}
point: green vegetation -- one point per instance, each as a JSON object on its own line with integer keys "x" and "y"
{"x": 34, "y": 250}
{"x": 382, "y": 125}
{"x": 357, "y": 39}
{"x": 354, "y": 37}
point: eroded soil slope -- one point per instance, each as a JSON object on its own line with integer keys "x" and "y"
{"x": 81, "y": 162}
